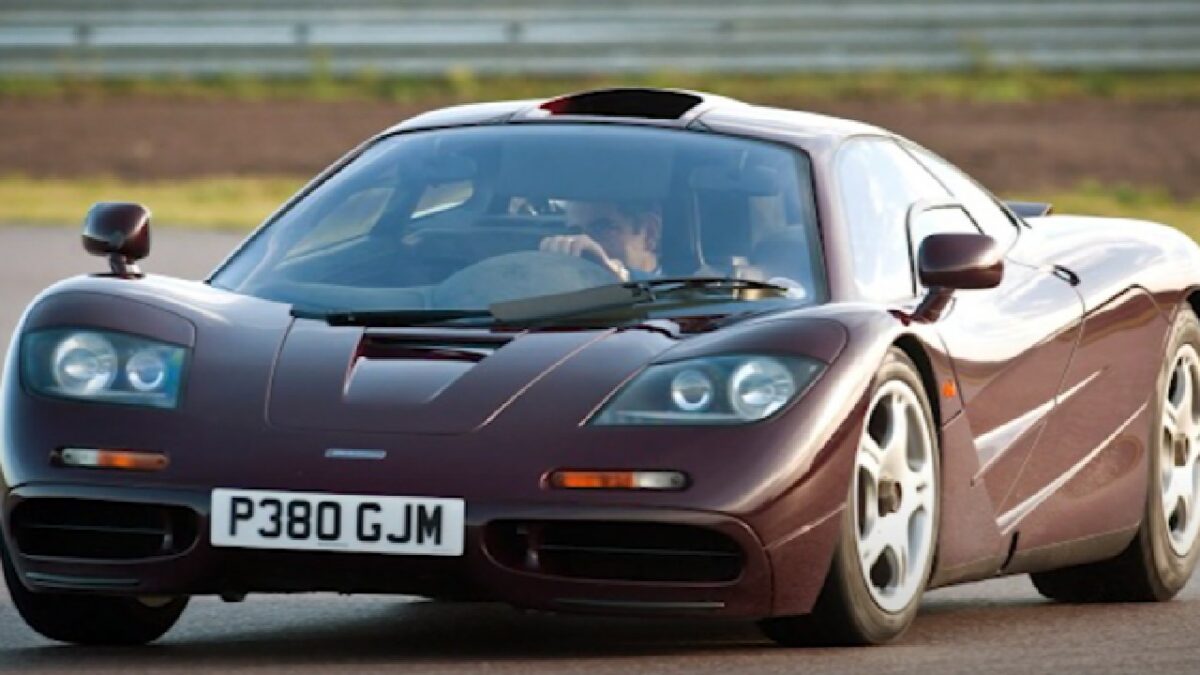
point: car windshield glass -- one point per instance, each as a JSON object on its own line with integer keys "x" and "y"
{"x": 463, "y": 219}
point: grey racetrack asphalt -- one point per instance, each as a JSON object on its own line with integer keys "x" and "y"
{"x": 999, "y": 626}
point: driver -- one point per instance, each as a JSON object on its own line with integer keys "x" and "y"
{"x": 622, "y": 237}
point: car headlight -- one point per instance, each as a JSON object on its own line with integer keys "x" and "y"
{"x": 104, "y": 366}
{"x": 712, "y": 390}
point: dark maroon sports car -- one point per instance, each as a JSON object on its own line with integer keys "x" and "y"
{"x": 625, "y": 351}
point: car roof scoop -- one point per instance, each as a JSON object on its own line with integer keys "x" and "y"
{"x": 659, "y": 104}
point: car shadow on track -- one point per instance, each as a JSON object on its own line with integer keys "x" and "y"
{"x": 290, "y": 631}
{"x": 978, "y": 623}
{"x": 326, "y": 629}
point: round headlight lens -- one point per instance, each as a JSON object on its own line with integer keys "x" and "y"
{"x": 84, "y": 363}
{"x": 146, "y": 370}
{"x": 759, "y": 387}
{"x": 691, "y": 391}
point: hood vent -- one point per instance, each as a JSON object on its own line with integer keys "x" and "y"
{"x": 421, "y": 347}
{"x": 654, "y": 104}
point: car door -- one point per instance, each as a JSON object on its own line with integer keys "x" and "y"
{"x": 1009, "y": 346}
{"x": 1086, "y": 479}
{"x": 1012, "y": 346}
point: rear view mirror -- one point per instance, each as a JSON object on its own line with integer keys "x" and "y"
{"x": 579, "y": 167}
{"x": 121, "y": 232}
{"x": 441, "y": 169}
{"x": 755, "y": 181}
{"x": 955, "y": 261}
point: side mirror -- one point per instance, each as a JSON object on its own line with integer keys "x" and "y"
{"x": 121, "y": 232}
{"x": 955, "y": 261}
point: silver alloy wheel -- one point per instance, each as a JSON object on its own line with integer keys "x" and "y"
{"x": 895, "y": 496}
{"x": 1179, "y": 452}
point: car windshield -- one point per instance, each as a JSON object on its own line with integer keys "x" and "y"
{"x": 464, "y": 218}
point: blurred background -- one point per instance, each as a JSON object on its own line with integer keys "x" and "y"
{"x": 213, "y": 112}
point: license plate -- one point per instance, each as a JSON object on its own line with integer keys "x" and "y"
{"x": 311, "y": 521}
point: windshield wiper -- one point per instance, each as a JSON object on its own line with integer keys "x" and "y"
{"x": 392, "y": 318}
{"x": 668, "y": 285}
{"x": 611, "y": 297}
{"x": 629, "y": 295}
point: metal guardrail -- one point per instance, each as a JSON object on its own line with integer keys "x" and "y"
{"x": 291, "y": 37}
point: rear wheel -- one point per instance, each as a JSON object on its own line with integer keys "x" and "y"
{"x": 889, "y": 527}
{"x": 1160, "y": 560}
{"x": 92, "y": 620}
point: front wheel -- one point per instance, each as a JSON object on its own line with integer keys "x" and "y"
{"x": 89, "y": 619}
{"x": 889, "y": 527}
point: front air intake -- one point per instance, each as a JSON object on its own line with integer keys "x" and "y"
{"x": 101, "y": 530}
{"x": 654, "y": 104}
{"x": 616, "y": 551}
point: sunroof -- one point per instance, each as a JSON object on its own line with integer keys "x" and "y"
{"x": 644, "y": 103}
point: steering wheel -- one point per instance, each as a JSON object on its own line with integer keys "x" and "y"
{"x": 512, "y": 276}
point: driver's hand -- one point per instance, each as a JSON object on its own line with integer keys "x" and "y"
{"x": 581, "y": 245}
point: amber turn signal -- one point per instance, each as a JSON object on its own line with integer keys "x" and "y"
{"x": 129, "y": 460}
{"x": 619, "y": 480}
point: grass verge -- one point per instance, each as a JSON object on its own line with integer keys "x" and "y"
{"x": 1123, "y": 201}
{"x": 227, "y": 203}
{"x": 460, "y": 85}
{"x": 240, "y": 203}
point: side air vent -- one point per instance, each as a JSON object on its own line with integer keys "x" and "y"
{"x": 644, "y": 103}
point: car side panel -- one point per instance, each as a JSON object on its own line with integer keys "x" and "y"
{"x": 1011, "y": 346}
{"x": 1088, "y": 473}
{"x": 1086, "y": 480}
{"x": 970, "y": 545}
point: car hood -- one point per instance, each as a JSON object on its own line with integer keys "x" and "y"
{"x": 256, "y": 363}
{"x": 430, "y": 381}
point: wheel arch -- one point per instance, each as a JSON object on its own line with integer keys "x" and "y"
{"x": 914, "y": 349}
{"x": 950, "y": 464}
{"x": 1193, "y": 300}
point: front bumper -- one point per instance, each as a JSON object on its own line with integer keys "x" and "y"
{"x": 489, "y": 569}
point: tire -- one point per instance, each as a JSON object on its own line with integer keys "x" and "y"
{"x": 865, "y": 602}
{"x": 90, "y": 619}
{"x": 1161, "y": 558}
